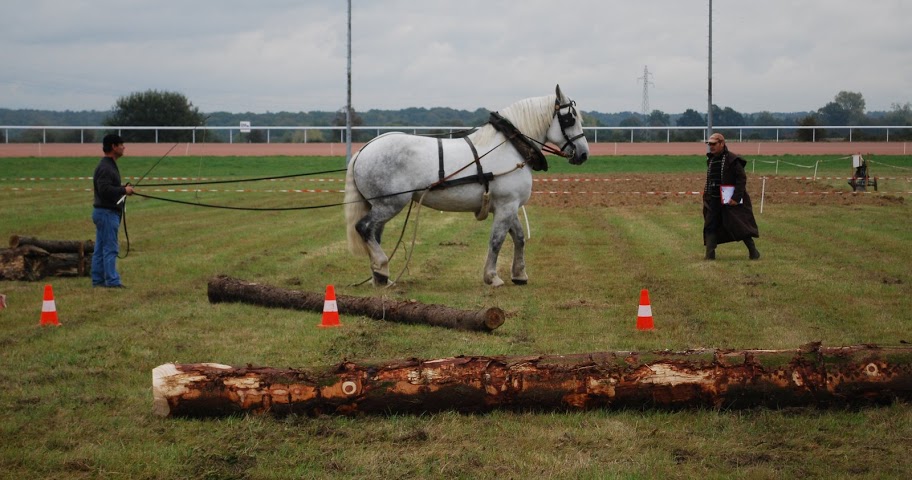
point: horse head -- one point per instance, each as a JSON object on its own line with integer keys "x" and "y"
{"x": 567, "y": 129}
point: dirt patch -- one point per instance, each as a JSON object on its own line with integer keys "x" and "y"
{"x": 660, "y": 189}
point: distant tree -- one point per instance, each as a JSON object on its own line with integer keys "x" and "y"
{"x": 763, "y": 119}
{"x": 356, "y": 121}
{"x": 807, "y": 134}
{"x": 833, "y": 114}
{"x": 690, "y": 118}
{"x": 631, "y": 121}
{"x": 899, "y": 116}
{"x": 590, "y": 121}
{"x": 854, "y": 104}
{"x": 658, "y": 118}
{"x": 155, "y": 108}
{"x": 255, "y": 136}
{"x": 727, "y": 117}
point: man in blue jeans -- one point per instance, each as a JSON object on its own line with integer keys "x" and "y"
{"x": 109, "y": 204}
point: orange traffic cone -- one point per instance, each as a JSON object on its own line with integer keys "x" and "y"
{"x": 644, "y": 314}
{"x": 330, "y": 309}
{"x": 49, "y": 308}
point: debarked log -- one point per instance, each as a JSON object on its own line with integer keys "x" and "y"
{"x": 226, "y": 289}
{"x": 804, "y": 377}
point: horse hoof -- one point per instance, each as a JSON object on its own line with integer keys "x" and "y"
{"x": 520, "y": 281}
{"x": 495, "y": 282}
{"x": 380, "y": 280}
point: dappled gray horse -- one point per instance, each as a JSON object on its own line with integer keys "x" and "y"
{"x": 489, "y": 170}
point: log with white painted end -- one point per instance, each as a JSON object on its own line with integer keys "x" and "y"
{"x": 809, "y": 376}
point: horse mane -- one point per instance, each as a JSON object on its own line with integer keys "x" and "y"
{"x": 532, "y": 116}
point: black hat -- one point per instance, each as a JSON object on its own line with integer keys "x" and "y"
{"x": 108, "y": 142}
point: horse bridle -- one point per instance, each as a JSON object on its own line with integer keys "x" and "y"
{"x": 566, "y": 120}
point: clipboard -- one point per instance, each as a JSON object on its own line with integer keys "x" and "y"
{"x": 726, "y": 192}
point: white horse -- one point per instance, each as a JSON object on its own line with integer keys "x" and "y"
{"x": 488, "y": 170}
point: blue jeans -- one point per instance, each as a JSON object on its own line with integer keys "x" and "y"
{"x": 104, "y": 259}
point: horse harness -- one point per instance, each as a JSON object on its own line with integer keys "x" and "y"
{"x": 482, "y": 177}
{"x": 531, "y": 154}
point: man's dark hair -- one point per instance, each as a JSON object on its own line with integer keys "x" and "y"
{"x": 108, "y": 142}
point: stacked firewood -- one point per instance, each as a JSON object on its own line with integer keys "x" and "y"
{"x": 30, "y": 259}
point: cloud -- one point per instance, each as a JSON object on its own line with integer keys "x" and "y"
{"x": 289, "y": 55}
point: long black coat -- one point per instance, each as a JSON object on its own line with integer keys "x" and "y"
{"x": 738, "y": 221}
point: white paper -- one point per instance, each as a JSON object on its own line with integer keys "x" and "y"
{"x": 727, "y": 192}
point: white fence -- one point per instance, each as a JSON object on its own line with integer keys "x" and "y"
{"x": 269, "y": 134}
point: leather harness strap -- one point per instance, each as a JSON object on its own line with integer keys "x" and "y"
{"x": 482, "y": 177}
{"x": 527, "y": 150}
{"x": 441, "y": 173}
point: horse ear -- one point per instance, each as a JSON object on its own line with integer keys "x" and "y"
{"x": 558, "y": 92}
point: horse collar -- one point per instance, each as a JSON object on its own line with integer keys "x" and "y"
{"x": 527, "y": 150}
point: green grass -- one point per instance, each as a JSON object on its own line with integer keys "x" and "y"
{"x": 77, "y": 399}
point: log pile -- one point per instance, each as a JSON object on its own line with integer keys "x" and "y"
{"x": 32, "y": 259}
{"x": 810, "y": 376}
{"x": 226, "y": 289}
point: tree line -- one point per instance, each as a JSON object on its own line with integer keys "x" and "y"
{"x": 163, "y": 108}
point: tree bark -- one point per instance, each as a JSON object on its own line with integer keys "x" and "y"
{"x": 54, "y": 246}
{"x": 31, "y": 263}
{"x": 808, "y": 376}
{"x": 226, "y": 289}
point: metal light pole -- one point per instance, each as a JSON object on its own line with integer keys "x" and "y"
{"x": 348, "y": 103}
{"x": 709, "y": 107}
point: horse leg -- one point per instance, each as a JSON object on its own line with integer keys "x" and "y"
{"x": 519, "y": 276}
{"x": 498, "y": 234}
{"x": 371, "y": 230}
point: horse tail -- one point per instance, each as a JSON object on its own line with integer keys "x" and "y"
{"x": 356, "y": 207}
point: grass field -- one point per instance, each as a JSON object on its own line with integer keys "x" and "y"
{"x": 77, "y": 399}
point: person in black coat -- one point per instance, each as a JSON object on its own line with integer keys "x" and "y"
{"x": 727, "y": 212}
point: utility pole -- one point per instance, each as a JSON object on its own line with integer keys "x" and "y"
{"x": 348, "y": 103}
{"x": 646, "y": 83}
{"x": 709, "y": 106}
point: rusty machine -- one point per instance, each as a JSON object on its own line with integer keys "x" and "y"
{"x": 861, "y": 178}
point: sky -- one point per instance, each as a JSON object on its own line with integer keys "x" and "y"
{"x": 291, "y": 55}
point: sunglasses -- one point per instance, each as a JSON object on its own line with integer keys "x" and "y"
{"x": 712, "y": 144}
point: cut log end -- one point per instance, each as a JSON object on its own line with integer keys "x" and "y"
{"x": 493, "y": 318}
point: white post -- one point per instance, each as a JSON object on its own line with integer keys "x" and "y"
{"x": 816, "y": 164}
{"x": 762, "y": 194}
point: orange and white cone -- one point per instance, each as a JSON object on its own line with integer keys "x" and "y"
{"x": 49, "y": 308}
{"x": 330, "y": 309}
{"x": 644, "y": 313}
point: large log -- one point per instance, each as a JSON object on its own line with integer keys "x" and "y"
{"x": 226, "y": 289}
{"x": 31, "y": 263}
{"x": 82, "y": 247}
{"x": 808, "y": 376}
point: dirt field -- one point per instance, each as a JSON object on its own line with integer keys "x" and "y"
{"x": 659, "y": 189}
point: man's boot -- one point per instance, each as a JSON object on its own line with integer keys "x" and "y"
{"x": 710, "y": 246}
{"x": 753, "y": 253}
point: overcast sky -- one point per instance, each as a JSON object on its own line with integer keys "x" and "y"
{"x": 290, "y": 55}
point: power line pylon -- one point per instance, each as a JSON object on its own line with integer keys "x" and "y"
{"x": 646, "y": 83}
